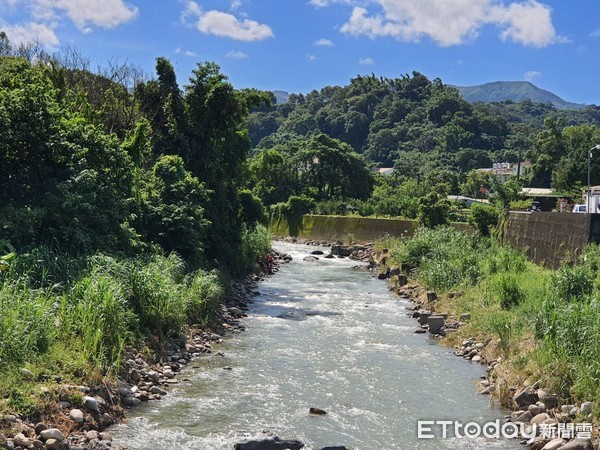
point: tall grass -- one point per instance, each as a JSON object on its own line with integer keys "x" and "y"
{"x": 255, "y": 242}
{"x": 202, "y": 296}
{"x": 26, "y": 322}
{"x": 546, "y": 324}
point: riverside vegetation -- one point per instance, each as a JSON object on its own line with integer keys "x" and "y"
{"x": 123, "y": 220}
{"x": 544, "y": 325}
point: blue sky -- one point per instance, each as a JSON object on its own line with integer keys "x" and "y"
{"x": 300, "y": 45}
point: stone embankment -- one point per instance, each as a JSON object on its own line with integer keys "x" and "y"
{"x": 78, "y": 415}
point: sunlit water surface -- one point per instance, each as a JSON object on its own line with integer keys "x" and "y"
{"x": 319, "y": 335}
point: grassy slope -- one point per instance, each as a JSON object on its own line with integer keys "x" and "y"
{"x": 545, "y": 325}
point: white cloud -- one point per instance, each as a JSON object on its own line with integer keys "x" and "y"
{"x": 366, "y": 61}
{"x": 452, "y": 22}
{"x": 323, "y": 43}
{"x": 595, "y": 33}
{"x": 532, "y": 75}
{"x": 223, "y": 24}
{"x": 311, "y": 57}
{"x": 30, "y": 32}
{"x": 189, "y": 53}
{"x": 106, "y": 13}
{"x": 236, "y": 54}
{"x": 529, "y": 23}
{"x": 324, "y": 3}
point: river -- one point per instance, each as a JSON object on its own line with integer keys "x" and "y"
{"x": 319, "y": 335}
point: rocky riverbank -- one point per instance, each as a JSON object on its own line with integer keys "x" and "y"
{"x": 549, "y": 423}
{"x": 77, "y": 416}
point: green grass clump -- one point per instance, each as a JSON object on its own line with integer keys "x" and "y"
{"x": 544, "y": 323}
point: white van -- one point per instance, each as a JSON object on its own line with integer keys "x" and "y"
{"x": 580, "y": 209}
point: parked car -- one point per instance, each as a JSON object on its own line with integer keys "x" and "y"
{"x": 580, "y": 209}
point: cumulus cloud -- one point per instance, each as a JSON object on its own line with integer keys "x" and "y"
{"x": 366, "y": 61}
{"x": 31, "y": 32}
{"x": 311, "y": 57}
{"x": 219, "y": 23}
{"x": 236, "y": 54}
{"x": 85, "y": 13}
{"x": 451, "y": 22}
{"x": 324, "y": 43}
{"x": 532, "y": 75}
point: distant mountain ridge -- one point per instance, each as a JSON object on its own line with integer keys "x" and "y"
{"x": 516, "y": 91}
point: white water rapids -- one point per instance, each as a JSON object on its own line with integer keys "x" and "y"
{"x": 319, "y": 335}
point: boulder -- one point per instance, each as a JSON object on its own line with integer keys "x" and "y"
{"x": 317, "y": 252}
{"x": 52, "y": 433}
{"x": 586, "y": 408}
{"x": 22, "y": 440}
{"x": 77, "y": 415}
{"x": 269, "y": 444}
{"x": 525, "y": 398}
{"x": 310, "y": 258}
{"x": 554, "y": 444}
{"x": 578, "y": 444}
{"x": 317, "y": 411}
{"x": 91, "y": 403}
{"x": 337, "y": 447}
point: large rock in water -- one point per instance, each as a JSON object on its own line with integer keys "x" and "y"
{"x": 269, "y": 444}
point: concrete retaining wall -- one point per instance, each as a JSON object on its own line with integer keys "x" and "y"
{"x": 333, "y": 228}
{"x": 551, "y": 238}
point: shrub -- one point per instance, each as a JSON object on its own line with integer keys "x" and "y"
{"x": 483, "y": 217}
{"x": 510, "y": 293}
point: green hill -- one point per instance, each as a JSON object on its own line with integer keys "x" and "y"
{"x": 516, "y": 91}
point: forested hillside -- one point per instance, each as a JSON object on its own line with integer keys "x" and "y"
{"x": 422, "y": 126}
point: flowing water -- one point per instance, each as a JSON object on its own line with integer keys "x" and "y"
{"x": 319, "y": 335}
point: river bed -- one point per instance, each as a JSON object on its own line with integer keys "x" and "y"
{"x": 319, "y": 335}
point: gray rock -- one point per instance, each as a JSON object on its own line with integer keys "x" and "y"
{"x": 52, "y": 433}
{"x": 524, "y": 417}
{"x": 54, "y": 444}
{"x": 338, "y": 447}
{"x": 525, "y": 398}
{"x": 22, "y": 440}
{"x": 91, "y": 403}
{"x": 91, "y": 435}
{"x": 77, "y": 415}
{"x": 39, "y": 427}
{"x": 269, "y": 444}
{"x": 310, "y": 258}
{"x": 578, "y": 444}
{"x": 534, "y": 410}
{"x": 157, "y": 390}
{"x": 586, "y": 408}
{"x": 539, "y": 418}
{"x": 554, "y": 444}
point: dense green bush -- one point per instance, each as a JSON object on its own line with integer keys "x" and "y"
{"x": 483, "y": 217}
{"x": 511, "y": 294}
